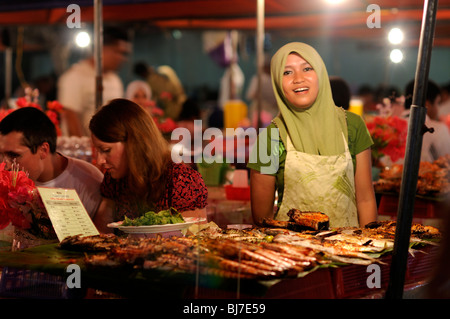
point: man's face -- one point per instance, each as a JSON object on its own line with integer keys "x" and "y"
{"x": 11, "y": 148}
{"x": 115, "y": 55}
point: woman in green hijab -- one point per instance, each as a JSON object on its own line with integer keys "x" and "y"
{"x": 322, "y": 153}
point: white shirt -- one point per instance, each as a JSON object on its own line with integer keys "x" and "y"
{"x": 268, "y": 100}
{"x": 85, "y": 178}
{"x": 435, "y": 144}
{"x": 444, "y": 108}
{"x": 76, "y": 90}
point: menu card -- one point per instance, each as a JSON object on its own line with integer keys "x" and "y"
{"x": 67, "y": 213}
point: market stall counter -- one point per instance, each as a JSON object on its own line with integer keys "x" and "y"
{"x": 253, "y": 263}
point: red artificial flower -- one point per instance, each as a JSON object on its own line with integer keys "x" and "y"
{"x": 165, "y": 125}
{"x": 166, "y": 96}
{"x": 24, "y": 102}
{"x": 389, "y": 136}
{"x": 20, "y": 203}
{"x": 55, "y": 106}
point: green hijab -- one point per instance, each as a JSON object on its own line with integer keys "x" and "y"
{"x": 317, "y": 129}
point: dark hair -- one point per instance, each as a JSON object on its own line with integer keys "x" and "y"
{"x": 383, "y": 91}
{"x": 365, "y": 89}
{"x": 147, "y": 151}
{"x": 35, "y": 126}
{"x": 341, "y": 92}
{"x": 446, "y": 87}
{"x": 190, "y": 110}
{"x": 113, "y": 34}
{"x": 432, "y": 92}
{"x": 141, "y": 69}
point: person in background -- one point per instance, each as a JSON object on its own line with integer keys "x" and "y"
{"x": 28, "y": 137}
{"x": 444, "y": 106}
{"x": 367, "y": 95}
{"x": 436, "y": 144}
{"x": 167, "y": 90}
{"x": 324, "y": 156}
{"x": 438, "y": 286}
{"x": 189, "y": 113}
{"x": 76, "y": 87}
{"x": 140, "y": 93}
{"x": 341, "y": 92}
{"x": 140, "y": 175}
{"x": 269, "y": 107}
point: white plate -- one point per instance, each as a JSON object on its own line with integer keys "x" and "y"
{"x": 152, "y": 229}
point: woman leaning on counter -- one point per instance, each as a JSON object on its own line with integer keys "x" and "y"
{"x": 323, "y": 153}
{"x": 139, "y": 173}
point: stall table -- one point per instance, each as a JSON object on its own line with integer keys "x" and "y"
{"x": 40, "y": 272}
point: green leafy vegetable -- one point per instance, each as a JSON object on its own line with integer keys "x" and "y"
{"x": 169, "y": 216}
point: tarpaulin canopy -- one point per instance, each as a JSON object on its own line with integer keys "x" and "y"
{"x": 307, "y": 18}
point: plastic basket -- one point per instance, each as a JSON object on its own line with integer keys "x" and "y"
{"x": 421, "y": 265}
{"x": 21, "y": 283}
{"x": 350, "y": 281}
{"x": 316, "y": 285}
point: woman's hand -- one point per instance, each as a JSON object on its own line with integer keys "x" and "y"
{"x": 198, "y": 213}
{"x": 104, "y": 216}
{"x": 262, "y": 193}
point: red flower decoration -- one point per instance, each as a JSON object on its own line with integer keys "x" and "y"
{"x": 54, "y": 108}
{"x": 389, "y": 136}
{"x": 166, "y": 96}
{"x": 20, "y": 203}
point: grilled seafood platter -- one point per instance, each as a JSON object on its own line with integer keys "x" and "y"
{"x": 262, "y": 253}
{"x": 433, "y": 178}
{"x": 299, "y": 221}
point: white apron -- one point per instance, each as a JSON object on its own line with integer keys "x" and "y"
{"x": 320, "y": 183}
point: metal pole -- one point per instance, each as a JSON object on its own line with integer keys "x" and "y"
{"x": 416, "y": 129}
{"x": 259, "y": 55}
{"x": 98, "y": 46}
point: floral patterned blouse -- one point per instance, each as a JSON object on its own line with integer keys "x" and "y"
{"x": 185, "y": 191}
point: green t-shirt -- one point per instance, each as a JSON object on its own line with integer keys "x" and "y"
{"x": 359, "y": 139}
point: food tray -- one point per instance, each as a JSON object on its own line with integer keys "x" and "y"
{"x": 21, "y": 283}
{"x": 237, "y": 193}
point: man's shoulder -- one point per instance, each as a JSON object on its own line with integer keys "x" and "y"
{"x": 79, "y": 68}
{"x": 83, "y": 169}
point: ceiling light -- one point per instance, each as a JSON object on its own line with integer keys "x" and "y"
{"x": 82, "y": 39}
{"x": 395, "y": 36}
{"x": 396, "y": 56}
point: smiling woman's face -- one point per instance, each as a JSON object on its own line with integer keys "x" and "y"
{"x": 300, "y": 82}
{"x": 111, "y": 157}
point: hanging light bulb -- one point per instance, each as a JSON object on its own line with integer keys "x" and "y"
{"x": 396, "y": 56}
{"x": 83, "y": 39}
{"x": 395, "y": 36}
